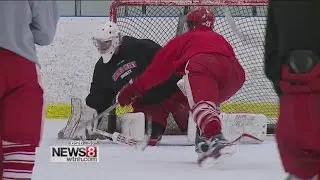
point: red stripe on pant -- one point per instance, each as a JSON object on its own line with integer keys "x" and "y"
{"x": 21, "y": 112}
{"x": 18, "y": 160}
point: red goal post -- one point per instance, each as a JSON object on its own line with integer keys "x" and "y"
{"x": 161, "y": 20}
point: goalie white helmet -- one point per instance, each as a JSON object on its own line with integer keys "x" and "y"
{"x": 107, "y": 39}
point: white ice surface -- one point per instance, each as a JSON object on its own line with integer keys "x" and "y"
{"x": 117, "y": 162}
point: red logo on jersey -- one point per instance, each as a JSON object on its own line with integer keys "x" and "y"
{"x": 123, "y": 69}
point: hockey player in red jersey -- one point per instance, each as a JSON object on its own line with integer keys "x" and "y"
{"x": 292, "y": 57}
{"x": 212, "y": 74}
{"x": 22, "y": 25}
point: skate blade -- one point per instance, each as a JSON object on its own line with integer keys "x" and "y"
{"x": 212, "y": 161}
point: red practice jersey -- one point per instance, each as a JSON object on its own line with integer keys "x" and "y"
{"x": 174, "y": 56}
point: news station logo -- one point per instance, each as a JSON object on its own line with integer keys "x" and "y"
{"x": 74, "y": 154}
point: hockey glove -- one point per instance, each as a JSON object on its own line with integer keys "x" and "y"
{"x": 129, "y": 94}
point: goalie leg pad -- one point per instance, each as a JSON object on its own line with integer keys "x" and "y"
{"x": 80, "y": 115}
{"x": 156, "y": 112}
{"x": 243, "y": 128}
{"x": 68, "y": 131}
{"x": 133, "y": 125}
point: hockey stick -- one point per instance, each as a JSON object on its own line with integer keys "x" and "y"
{"x": 121, "y": 138}
{"x": 76, "y": 115}
{"x": 232, "y": 24}
{"x": 116, "y": 137}
{"x": 235, "y": 29}
{"x": 103, "y": 113}
{"x": 113, "y": 106}
{"x": 126, "y": 140}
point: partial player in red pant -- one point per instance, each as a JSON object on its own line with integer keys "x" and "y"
{"x": 22, "y": 25}
{"x": 176, "y": 104}
{"x": 212, "y": 74}
{"x": 292, "y": 64}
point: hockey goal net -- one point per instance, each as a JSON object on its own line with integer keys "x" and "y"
{"x": 241, "y": 22}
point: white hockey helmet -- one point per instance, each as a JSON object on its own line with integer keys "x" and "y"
{"x": 107, "y": 39}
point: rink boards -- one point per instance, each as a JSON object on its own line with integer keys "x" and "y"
{"x": 63, "y": 111}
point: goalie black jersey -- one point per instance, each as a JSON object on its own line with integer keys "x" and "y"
{"x": 133, "y": 58}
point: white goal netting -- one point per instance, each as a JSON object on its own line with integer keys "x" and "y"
{"x": 237, "y": 20}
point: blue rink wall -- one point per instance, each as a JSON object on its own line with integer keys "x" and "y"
{"x": 67, "y": 65}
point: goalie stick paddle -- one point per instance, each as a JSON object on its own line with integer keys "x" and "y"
{"x": 127, "y": 140}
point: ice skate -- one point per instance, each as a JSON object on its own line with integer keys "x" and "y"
{"x": 154, "y": 141}
{"x": 212, "y": 151}
{"x": 156, "y": 134}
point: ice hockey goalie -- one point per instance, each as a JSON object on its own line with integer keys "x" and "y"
{"x": 124, "y": 58}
